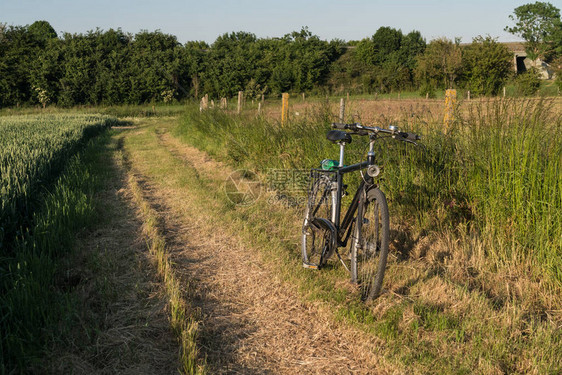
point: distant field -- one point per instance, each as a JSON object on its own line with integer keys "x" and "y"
{"x": 408, "y": 110}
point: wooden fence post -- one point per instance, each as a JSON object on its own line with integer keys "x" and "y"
{"x": 204, "y": 104}
{"x": 450, "y": 105}
{"x": 284, "y": 107}
{"x": 259, "y": 108}
{"x": 240, "y": 99}
{"x": 342, "y": 110}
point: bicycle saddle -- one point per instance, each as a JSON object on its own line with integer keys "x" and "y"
{"x": 338, "y": 136}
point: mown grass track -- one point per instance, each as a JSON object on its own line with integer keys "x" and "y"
{"x": 252, "y": 318}
{"x": 118, "y": 318}
{"x": 80, "y": 291}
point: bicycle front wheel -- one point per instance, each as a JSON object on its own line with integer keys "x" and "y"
{"x": 370, "y": 244}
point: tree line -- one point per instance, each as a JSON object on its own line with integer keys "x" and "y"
{"x": 114, "y": 67}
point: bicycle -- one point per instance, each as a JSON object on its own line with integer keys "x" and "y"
{"x": 366, "y": 220}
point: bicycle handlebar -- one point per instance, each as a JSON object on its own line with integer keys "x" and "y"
{"x": 409, "y": 137}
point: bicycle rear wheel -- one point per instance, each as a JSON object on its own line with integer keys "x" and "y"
{"x": 370, "y": 244}
{"x": 317, "y": 241}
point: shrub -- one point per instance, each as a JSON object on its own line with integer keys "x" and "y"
{"x": 487, "y": 66}
{"x": 528, "y": 83}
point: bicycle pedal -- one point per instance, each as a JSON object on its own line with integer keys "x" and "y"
{"x": 310, "y": 266}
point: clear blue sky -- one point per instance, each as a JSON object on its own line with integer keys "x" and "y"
{"x": 329, "y": 19}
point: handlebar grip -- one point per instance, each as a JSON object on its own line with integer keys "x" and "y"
{"x": 339, "y": 125}
{"x": 410, "y": 136}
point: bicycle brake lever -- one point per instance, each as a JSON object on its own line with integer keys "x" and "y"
{"x": 400, "y": 138}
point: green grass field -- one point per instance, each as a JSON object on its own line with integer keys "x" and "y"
{"x": 46, "y": 182}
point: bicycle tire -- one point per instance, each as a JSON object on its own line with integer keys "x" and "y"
{"x": 321, "y": 199}
{"x": 370, "y": 242}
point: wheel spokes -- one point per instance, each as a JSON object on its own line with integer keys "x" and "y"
{"x": 371, "y": 246}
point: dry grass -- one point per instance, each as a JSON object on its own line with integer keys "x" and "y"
{"x": 382, "y": 112}
{"x": 183, "y": 317}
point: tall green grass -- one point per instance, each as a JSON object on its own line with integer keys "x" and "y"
{"x": 514, "y": 180}
{"x": 53, "y": 181}
{"x": 497, "y": 172}
{"x": 33, "y": 152}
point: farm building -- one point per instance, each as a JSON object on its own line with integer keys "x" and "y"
{"x": 522, "y": 63}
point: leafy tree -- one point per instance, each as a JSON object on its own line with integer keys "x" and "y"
{"x": 298, "y": 61}
{"x": 18, "y": 50}
{"x": 45, "y": 72}
{"x": 380, "y": 47}
{"x": 42, "y": 31}
{"x": 153, "y": 66}
{"x": 4, "y": 85}
{"x": 349, "y": 73}
{"x": 441, "y": 64}
{"x": 44, "y": 68}
{"x": 413, "y": 44}
{"x": 487, "y": 65}
{"x": 389, "y": 58}
{"x": 386, "y": 41}
{"x": 78, "y": 71}
{"x": 310, "y": 59}
{"x": 540, "y": 26}
{"x": 230, "y": 64}
{"x": 194, "y": 59}
{"x": 113, "y": 78}
{"x": 365, "y": 51}
{"x": 557, "y": 64}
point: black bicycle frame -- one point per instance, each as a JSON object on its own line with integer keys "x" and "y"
{"x": 343, "y": 229}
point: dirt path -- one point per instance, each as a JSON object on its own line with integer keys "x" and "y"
{"x": 252, "y": 322}
{"x": 122, "y": 325}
